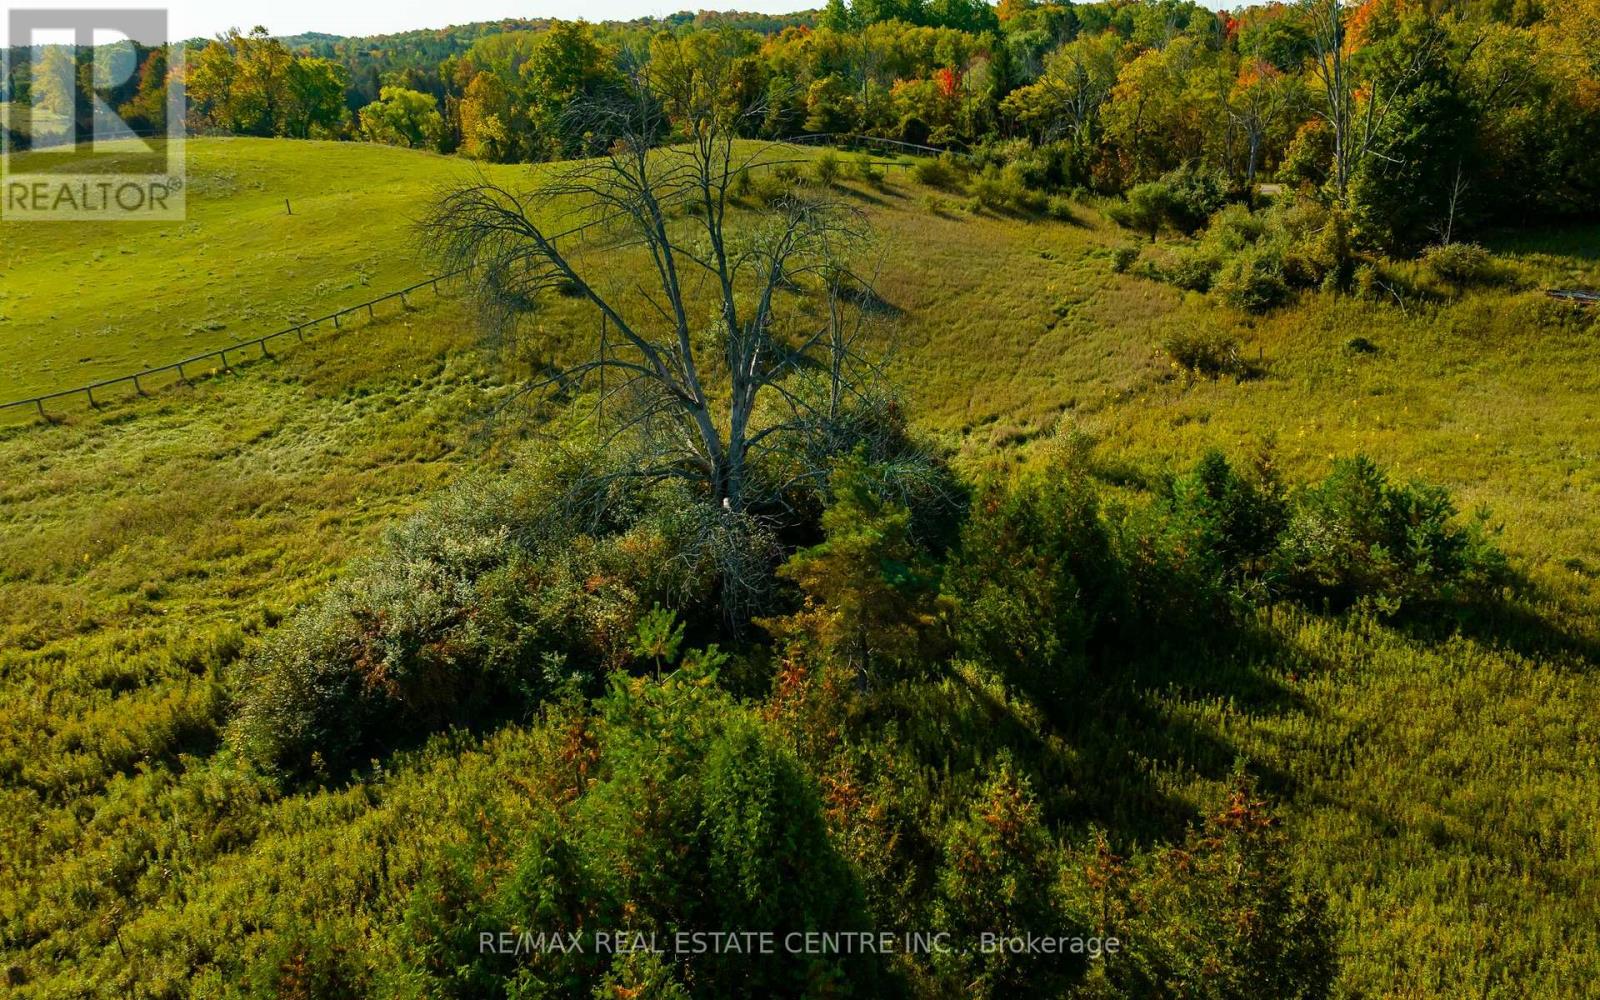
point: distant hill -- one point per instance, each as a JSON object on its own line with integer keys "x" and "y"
{"x": 460, "y": 37}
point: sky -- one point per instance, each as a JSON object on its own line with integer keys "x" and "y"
{"x": 203, "y": 19}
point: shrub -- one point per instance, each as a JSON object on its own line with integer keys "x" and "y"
{"x": 999, "y": 152}
{"x": 474, "y": 610}
{"x": 1124, "y": 257}
{"x": 393, "y": 649}
{"x": 1146, "y": 208}
{"x": 1252, "y": 260}
{"x": 1023, "y": 192}
{"x": 1367, "y": 283}
{"x": 1053, "y": 166}
{"x": 763, "y": 823}
{"x": 1004, "y": 190}
{"x": 942, "y": 172}
{"x": 1219, "y": 915}
{"x": 1194, "y": 269}
{"x": 1253, "y": 281}
{"x": 1326, "y": 260}
{"x": 642, "y": 974}
{"x": 913, "y": 130}
{"x": 1357, "y": 536}
{"x": 1194, "y": 194}
{"x": 692, "y": 817}
{"x": 826, "y": 168}
{"x": 1234, "y": 228}
{"x": 999, "y": 873}
{"x": 987, "y": 190}
{"x": 1462, "y": 265}
{"x": 867, "y": 171}
{"x": 1233, "y": 520}
{"x": 770, "y": 187}
{"x": 304, "y": 959}
{"x": 871, "y": 590}
{"x": 1305, "y": 162}
{"x": 1182, "y": 199}
{"x": 1208, "y": 354}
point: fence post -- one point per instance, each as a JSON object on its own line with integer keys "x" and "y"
{"x": 266, "y": 352}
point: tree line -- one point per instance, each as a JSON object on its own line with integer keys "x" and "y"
{"x": 1424, "y": 116}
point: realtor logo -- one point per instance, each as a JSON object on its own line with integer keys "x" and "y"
{"x": 91, "y": 117}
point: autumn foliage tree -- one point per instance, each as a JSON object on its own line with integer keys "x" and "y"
{"x": 254, "y": 85}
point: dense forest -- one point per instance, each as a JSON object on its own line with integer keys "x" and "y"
{"x": 627, "y": 622}
{"x": 1421, "y": 120}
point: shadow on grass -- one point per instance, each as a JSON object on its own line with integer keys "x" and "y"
{"x": 1117, "y": 720}
{"x": 1578, "y": 240}
{"x": 1098, "y": 744}
{"x": 1513, "y": 625}
{"x": 858, "y": 194}
{"x": 1106, "y": 738}
{"x": 1016, "y": 214}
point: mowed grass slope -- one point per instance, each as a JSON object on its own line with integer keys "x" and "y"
{"x": 81, "y": 302}
{"x": 276, "y": 233}
{"x": 1440, "y": 790}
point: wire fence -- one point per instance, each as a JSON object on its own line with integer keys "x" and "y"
{"x": 241, "y": 349}
{"x": 892, "y": 146}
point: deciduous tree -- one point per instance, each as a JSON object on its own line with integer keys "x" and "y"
{"x": 402, "y": 117}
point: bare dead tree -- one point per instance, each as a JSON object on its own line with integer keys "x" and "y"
{"x": 1458, "y": 190}
{"x": 1355, "y": 115}
{"x": 1257, "y": 107}
{"x": 711, "y": 358}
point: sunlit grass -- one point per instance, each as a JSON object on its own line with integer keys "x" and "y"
{"x": 1440, "y": 791}
{"x": 276, "y": 233}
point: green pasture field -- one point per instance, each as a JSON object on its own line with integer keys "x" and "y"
{"x": 276, "y": 233}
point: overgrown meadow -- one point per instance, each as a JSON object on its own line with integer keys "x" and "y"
{"x": 303, "y": 686}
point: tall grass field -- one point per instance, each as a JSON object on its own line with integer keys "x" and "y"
{"x": 1435, "y": 776}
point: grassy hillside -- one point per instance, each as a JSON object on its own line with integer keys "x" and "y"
{"x": 276, "y": 233}
{"x": 81, "y": 302}
{"x": 1438, "y": 787}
